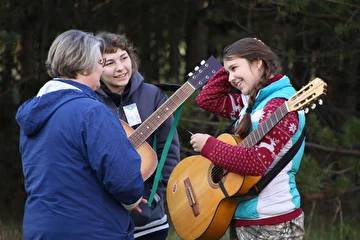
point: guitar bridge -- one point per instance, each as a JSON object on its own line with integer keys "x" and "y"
{"x": 191, "y": 197}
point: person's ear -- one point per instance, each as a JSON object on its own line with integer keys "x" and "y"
{"x": 86, "y": 72}
{"x": 258, "y": 63}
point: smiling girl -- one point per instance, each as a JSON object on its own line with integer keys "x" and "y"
{"x": 252, "y": 68}
{"x": 126, "y": 93}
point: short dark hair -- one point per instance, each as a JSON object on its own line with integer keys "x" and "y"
{"x": 114, "y": 41}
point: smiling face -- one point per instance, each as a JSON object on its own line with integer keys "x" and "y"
{"x": 243, "y": 75}
{"x": 117, "y": 70}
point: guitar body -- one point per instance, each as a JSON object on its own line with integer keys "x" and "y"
{"x": 197, "y": 205}
{"x": 148, "y": 156}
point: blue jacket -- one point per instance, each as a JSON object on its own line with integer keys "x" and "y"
{"x": 148, "y": 98}
{"x": 80, "y": 168}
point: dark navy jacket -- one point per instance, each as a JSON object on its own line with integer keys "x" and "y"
{"x": 79, "y": 167}
{"x": 148, "y": 98}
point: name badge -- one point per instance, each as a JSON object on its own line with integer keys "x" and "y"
{"x": 132, "y": 114}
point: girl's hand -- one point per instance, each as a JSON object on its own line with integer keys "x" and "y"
{"x": 198, "y": 141}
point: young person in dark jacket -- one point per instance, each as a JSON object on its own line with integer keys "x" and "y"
{"x": 124, "y": 91}
{"x": 82, "y": 174}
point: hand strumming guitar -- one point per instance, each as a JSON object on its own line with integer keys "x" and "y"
{"x": 198, "y": 141}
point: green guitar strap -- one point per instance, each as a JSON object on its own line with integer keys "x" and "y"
{"x": 165, "y": 151}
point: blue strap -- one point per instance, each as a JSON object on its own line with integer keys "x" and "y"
{"x": 165, "y": 151}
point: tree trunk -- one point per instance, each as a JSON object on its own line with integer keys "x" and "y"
{"x": 197, "y": 34}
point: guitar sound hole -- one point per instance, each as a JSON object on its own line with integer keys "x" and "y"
{"x": 217, "y": 174}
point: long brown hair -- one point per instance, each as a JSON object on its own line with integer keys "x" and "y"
{"x": 252, "y": 50}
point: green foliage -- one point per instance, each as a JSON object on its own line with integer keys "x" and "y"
{"x": 11, "y": 231}
{"x": 311, "y": 176}
{"x": 351, "y": 133}
{"x": 312, "y": 37}
{"x": 321, "y": 133}
{"x": 341, "y": 185}
{"x": 8, "y": 47}
{"x": 331, "y": 173}
{"x": 321, "y": 228}
{"x": 326, "y": 135}
{"x": 342, "y": 29}
{"x": 9, "y": 38}
{"x": 295, "y": 5}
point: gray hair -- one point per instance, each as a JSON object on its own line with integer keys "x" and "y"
{"x": 73, "y": 52}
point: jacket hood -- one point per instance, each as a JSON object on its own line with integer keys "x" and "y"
{"x": 34, "y": 113}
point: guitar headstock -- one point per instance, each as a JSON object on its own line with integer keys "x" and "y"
{"x": 203, "y": 73}
{"x": 307, "y": 95}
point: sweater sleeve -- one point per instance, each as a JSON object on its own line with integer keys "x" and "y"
{"x": 254, "y": 161}
{"x": 217, "y": 98}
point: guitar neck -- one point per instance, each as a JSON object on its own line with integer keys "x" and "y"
{"x": 256, "y": 135}
{"x": 160, "y": 115}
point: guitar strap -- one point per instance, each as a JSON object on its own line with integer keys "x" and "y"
{"x": 267, "y": 178}
{"x": 164, "y": 153}
{"x": 223, "y": 189}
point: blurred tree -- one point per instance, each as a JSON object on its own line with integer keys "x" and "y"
{"x": 312, "y": 39}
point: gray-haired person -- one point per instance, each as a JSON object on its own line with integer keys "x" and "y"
{"x": 82, "y": 175}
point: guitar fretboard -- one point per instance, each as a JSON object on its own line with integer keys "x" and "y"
{"x": 256, "y": 135}
{"x": 160, "y": 115}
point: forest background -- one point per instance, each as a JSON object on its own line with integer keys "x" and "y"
{"x": 313, "y": 38}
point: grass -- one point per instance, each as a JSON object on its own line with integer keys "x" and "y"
{"x": 319, "y": 228}
{"x": 10, "y": 231}
{"x": 173, "y": 235}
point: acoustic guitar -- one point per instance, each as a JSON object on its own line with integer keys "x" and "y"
{"x": 138, "y": 137}
{"x": 195, "y": 194}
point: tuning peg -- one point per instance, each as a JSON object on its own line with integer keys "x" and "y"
{"x": 306, "y": 110}
{"x": 202, "y": 62}
{"x": 320, "y": 102}
{"x": 313, "y": 106}
{"x": 196, "y": 68}
{"x": 190, "y": 74}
